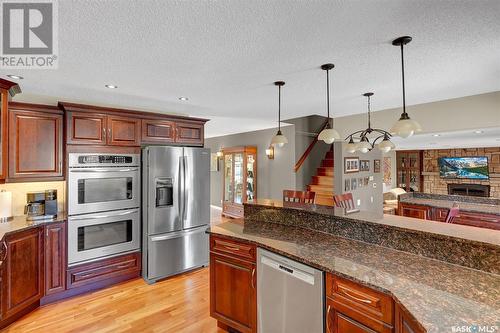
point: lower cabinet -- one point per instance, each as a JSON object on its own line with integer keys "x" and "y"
{"x": 405, "y": 323}
{"x": 416, "y": 211}
{"x": 353, "y": 308}
{"x": 104, "y": 272}
{"x": 233, "y": 285}
{"x": 22, "y": 272}
{"x": 55, "y": 258}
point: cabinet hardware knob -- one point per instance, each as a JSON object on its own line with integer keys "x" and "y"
{"x": 253, "y": 278}
{"x": 328, "y": 318}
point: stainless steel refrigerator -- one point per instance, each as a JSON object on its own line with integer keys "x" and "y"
{"x": 176, "y": 210}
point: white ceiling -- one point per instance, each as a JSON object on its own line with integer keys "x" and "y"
{"x": 224, "y": 56}
{"x": 483, "y": 137}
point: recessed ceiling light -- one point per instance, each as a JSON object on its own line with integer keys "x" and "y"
{"x": 15, "y": 77}
{"x": 478, "y": 132}
{"x": 436, "y": 135}
{"x": 110, "y": 86}
{"x": 183, "y": 99}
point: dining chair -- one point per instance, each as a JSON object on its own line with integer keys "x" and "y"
{"x": 344, "y": 201}
{"x": 298, "y": 196}
{"x": 452, "y": 213}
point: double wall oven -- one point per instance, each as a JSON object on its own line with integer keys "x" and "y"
{"x": 103, "y": 206}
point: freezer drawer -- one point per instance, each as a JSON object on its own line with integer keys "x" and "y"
{"x": 289, "y": 295}
{"x": 176, "y": 252}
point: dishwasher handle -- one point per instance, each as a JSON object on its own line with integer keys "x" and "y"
{"x": 292, "y": 271}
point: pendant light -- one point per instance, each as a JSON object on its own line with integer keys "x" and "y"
{"x": 279, "y": 139}
{"x": 328, "y": 135}
{"x": 364, "y": 145}
{"x": 404, "y": 127}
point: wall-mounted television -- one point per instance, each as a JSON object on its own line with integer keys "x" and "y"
{"x": 464, "y": 167}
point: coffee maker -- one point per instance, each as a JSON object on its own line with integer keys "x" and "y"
{"x": 41, "y": 205}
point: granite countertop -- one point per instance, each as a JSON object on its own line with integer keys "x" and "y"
{"x": 438, "y": 294}
{"x": 447, "y": 204}
{"x": 409, "y": 223}
{"x": 19, "y": 223}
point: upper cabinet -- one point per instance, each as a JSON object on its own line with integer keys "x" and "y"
{"x": 7, "y": 90}
{"x": 92, "y": 125}
{"x": 35, "y": 142}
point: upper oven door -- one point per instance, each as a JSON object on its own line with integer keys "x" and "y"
{"x": 102, "y": 189}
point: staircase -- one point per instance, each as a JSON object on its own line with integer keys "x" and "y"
{"x": 322, "y": 183}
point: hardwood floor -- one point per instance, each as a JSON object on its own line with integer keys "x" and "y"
{"x": 179, "y": 304}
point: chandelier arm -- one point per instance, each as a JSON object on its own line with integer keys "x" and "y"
{"x": 376, "y": 139}
{"x": 353, "y": 134}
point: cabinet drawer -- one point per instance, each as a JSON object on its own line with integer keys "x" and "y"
{"x": 233, "y": 248}
{"x": 108, "y": 268}
{"x": 440, "y": 214}
{"x": 349, "y": 295}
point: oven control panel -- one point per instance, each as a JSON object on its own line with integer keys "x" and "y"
{"x": 104, "y": 159}
{"x": 87, "y": 160}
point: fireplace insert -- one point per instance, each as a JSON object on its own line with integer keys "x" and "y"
{"x": 475, "y": 190}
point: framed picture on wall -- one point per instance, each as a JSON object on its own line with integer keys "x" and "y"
{"x": 366, "y": 180}
{"x": 360, "y": 182}
{"x": 364, "y": 165}
{"x": 347, "y": 185}
{"x": 354, "y": 184}
{"x": 351, "y": 164}
{"x": 376, "y": 166}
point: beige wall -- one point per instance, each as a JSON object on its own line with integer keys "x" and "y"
{"x": 472, "y": 112}
{"x": 433, "y": 183}
{"x": 19, "y": 191}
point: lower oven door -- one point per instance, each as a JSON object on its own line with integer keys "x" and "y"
{"x": 94, "y": 236}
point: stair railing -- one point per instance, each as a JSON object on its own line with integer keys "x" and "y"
{"x": 309, "y": 148}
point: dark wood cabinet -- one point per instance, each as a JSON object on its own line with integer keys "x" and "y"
{"x": 123, "y": 131}
{"x": 189, "y": 133}
{"x": 7, "y": 90}
{"x": 114, "y": 269}
{"x": 409, "y": 167}
{"x": 355, "y": 308}
{"x": 35, "y": 142}
{"x": 22, "y": 271}
{"x": 416, "y": 211}
{"x": 405, "y": 323}
{"x": 55, "y": 258}
{"x": 85, "y": 128}
{"x": 158, "y": 131}
{"x": 233, "y": 289}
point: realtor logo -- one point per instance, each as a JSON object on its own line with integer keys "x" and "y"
{"x": 29, "y": 34}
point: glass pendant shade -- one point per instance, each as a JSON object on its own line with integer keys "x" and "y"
{"x": 405, "y": 127}
{"x": 351, "y": 146}
{"x": 329, "y": 135}
{"x": 364, "y": 146}
{"x": 386, "y": 145}
{"x": 279, "y": 140}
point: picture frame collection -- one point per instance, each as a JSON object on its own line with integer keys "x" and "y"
{"x": 355, "y": 165}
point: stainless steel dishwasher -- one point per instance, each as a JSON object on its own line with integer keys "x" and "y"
{"x": 289, "y": 295}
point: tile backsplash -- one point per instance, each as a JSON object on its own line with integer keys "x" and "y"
{"x": 19, "y": 191}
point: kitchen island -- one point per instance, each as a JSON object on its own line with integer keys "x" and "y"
{"x": 387, "y": 257}
{"x": 473, "y": 211}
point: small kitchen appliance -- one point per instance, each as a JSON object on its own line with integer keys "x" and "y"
{"x": 41, "y": 205}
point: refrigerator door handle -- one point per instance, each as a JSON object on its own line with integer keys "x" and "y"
{"x": 180, "y": 187}
{"x": 185, "y": 189}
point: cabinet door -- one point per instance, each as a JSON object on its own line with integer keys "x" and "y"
{"x": 233, "y": 296}
{"x": 23, "y": 278}
{"x": 157, "y": 131}
{"x": 55, "y": 258}
{"x": 85, "y": 128}
{"x": 35, "y": 145}
{"x": 190, "y": 133}
{"x": 123, "y": 131}
{"x": 405, "y": 323}
{"x": 419, "y": 212}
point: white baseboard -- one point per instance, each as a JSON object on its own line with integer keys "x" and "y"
{"x": 215, "y": 207}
